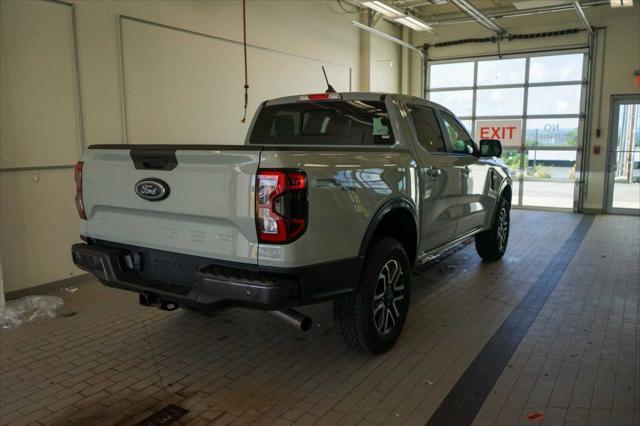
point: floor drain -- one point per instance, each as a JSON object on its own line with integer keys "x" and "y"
{"x": 166, "y": 416}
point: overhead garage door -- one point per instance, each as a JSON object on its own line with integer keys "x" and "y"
{"x": 534, "y": 104}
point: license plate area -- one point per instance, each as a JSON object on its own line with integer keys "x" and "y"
{"x": 169, "y": 268}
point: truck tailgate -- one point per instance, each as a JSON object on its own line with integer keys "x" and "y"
{"x": 209, "y": 210}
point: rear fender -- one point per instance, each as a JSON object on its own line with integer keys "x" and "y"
{"x": 388, "y": 207}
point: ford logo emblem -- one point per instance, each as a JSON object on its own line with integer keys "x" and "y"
{"x": 152, "y": 189}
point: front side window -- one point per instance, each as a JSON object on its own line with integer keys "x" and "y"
{"x": 427, "y": 128}
{"x": 460, "y": 139}
{"x": 324, "y": 123}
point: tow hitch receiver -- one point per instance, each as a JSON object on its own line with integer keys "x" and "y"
{"x": 147, "y": 299}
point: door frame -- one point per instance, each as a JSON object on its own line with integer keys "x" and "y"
{"x": 614, "y": 116}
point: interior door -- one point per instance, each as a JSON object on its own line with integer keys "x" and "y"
{"x": 623, "y": 194}
{"x": 474, "y": 205}
{"x": 439, "y": 179}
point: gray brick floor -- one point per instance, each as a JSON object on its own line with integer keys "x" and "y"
{"x": 114, "y": 362}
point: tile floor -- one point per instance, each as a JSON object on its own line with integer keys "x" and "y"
{"x": 114, "y": 362}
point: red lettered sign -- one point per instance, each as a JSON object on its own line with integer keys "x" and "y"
{"x": 509, "y": 132}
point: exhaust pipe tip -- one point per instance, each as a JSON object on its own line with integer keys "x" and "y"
{"x": 295, "y": 318}
{"x": 306, "y": 323}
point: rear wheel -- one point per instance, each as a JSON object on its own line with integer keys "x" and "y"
{"x": 492, "y": 243}
{"x": 372, "y": 318}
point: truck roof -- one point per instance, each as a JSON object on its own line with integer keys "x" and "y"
{"x": 355, "y": 96}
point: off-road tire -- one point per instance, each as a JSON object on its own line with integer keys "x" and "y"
{"x": 492, "y": 243}
{"x": 361, "y": 326}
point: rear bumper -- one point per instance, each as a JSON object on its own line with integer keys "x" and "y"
{"x": 208, "y": 284}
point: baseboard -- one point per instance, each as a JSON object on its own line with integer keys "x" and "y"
{"x": 587, "y": 210}
{"x": 49, "y": 287}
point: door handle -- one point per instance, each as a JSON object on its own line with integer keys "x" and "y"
{"x": 433, "y": 172}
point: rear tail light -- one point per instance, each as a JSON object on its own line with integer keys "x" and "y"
{"x": 79, "y": 199}
{"x": 281, "y": 205}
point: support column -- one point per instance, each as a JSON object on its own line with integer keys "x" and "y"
{"x": 405, "y": 63}
{"x": 365, "y": 53}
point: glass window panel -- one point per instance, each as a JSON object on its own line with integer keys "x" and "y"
{"x": 511, "y": 158}
{"x": 451, "y": 75}
{"x": 549, "y": 177}
{"x": 427, "y": 128}
{"x": 554, "y": 100}
{"x": 459, "y": 138}
{"x": 546, "y": 164}
{"x": 556, "y": 132}
{"x": 468, "y": 125}
{"x": 626, "y": 184}
{"x": 628, "y": 128}
{"x": 540, "y": 193}
{"x": 505, "y": 71}
{"x": 497, "y": 102}
{"x": 543, "y": 69}
{"x": 458, "y": 101}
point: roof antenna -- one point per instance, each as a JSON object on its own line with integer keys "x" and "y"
{"x": 330, "y": 88}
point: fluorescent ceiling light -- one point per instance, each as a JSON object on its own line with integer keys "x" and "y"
{"x": 414, "y": 23}
{"x": 385, "y": 9}
{"x": 621, "y": 3}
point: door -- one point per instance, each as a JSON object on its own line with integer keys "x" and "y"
{"x": 623, "y": 188}
{"x": 473, "y": 204}
{"x": 439, "y": 180}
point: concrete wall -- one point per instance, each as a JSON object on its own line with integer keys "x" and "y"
{"x": 619, "y": 49}
{"x": 40, "y": 121}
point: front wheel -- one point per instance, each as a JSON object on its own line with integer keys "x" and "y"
{"x": 492, "y": 243}
{"x": 371, "y": 319}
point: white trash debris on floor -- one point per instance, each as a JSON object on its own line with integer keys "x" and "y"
{"x": 29, "y": 308}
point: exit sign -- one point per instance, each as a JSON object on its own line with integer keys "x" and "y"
{"x": 508, "y": 132}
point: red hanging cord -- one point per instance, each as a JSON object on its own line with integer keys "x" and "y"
{"x": 246, "y": 74}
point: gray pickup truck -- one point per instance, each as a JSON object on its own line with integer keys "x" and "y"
{"x": 332, "y": 197}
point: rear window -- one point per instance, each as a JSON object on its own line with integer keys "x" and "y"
{"x": 324, "y": 123}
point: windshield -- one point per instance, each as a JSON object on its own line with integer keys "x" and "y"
{"x": 324, "y": 123}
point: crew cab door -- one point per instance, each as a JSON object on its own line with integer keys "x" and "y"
{"x": 439, "y": 179}
{"x": 473, "y": 205}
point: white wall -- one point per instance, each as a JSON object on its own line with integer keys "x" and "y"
{"x": 386, "y": 58}
{"x": 621, "y": 57}
{"x": 38, "y": 221}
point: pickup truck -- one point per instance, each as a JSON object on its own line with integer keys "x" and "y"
{"x": 333, "y": 196}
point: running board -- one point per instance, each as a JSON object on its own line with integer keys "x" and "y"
{"x": 437, "y": 252}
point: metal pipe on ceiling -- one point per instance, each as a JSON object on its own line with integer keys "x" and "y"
{"x": 518, "y": 13}
{"x": 397, "y": 41}
{"x": 474, "y": 13}
{"x": 583, "y": 17}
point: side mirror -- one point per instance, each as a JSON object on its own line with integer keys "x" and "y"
{"x": 490, "y": 148}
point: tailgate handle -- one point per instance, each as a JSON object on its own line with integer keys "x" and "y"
{"x": 156, "y": 159}
{"x": 154, "y": 163}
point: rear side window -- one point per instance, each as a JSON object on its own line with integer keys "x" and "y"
{"x": 324, "y": 123}
{"x": 427, "y": 128}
